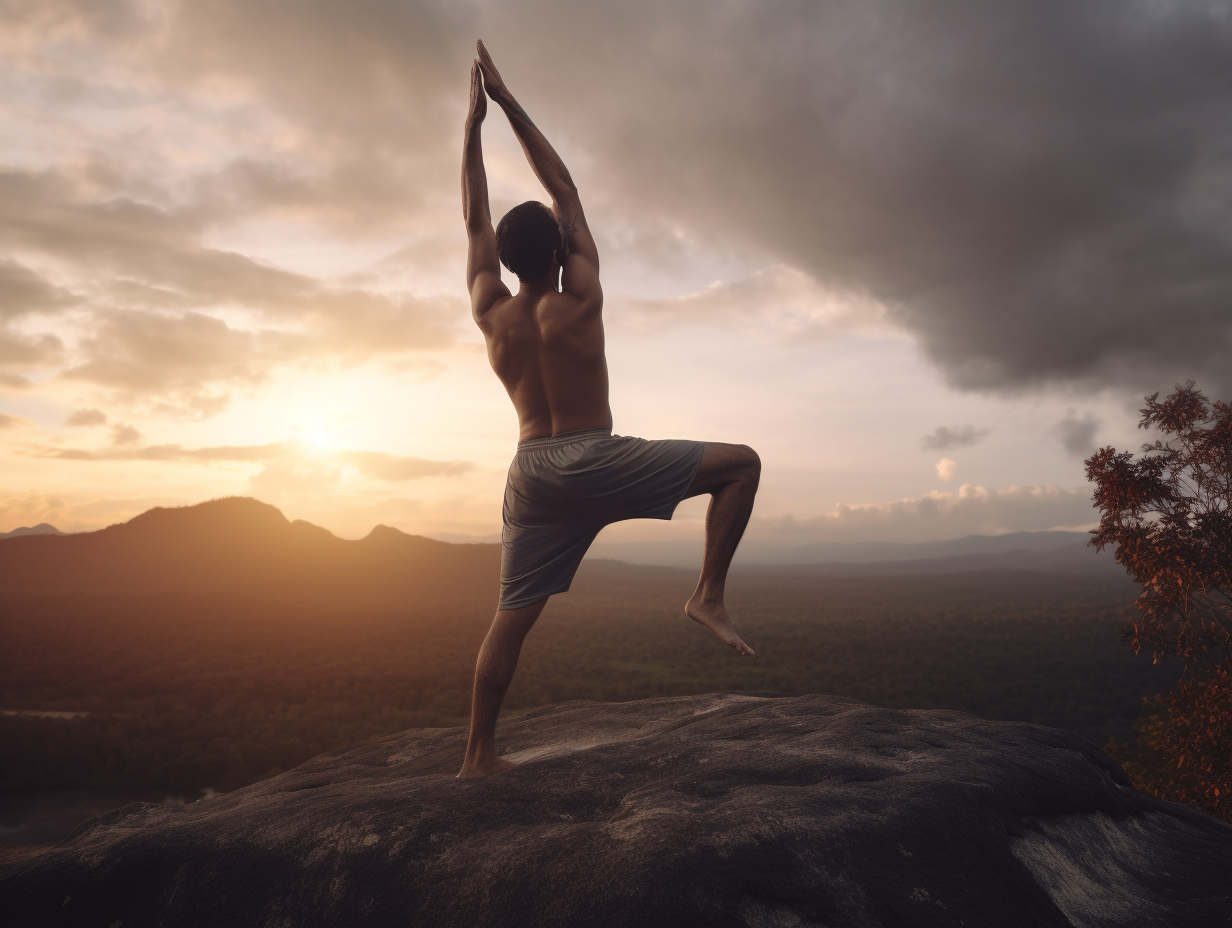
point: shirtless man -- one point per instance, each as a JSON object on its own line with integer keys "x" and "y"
{"x": 571, "y": 476}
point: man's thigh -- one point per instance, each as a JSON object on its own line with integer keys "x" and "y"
{"x": 722, "y": 465}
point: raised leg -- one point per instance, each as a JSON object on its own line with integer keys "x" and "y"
{"x": 498, "y": 658}
{"x": 730, "y": 474}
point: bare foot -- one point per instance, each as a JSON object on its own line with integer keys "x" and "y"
{"x": 714, "y": 617}
{"x": 485, "y": 768}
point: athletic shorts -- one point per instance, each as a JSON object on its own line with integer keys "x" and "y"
{"x": 563, "y": 490}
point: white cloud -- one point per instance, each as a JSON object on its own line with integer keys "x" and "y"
{"x": 970, "y": 510}
{"x": 945, "y": 469}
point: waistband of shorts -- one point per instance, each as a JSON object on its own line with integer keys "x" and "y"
{"x": 564, "y": 438}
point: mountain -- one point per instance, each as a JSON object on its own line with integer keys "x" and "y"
{"x": 1066, "y": 551}
{"x": 42, "y": 528}
{"x": 874, "y": 551}
{"x": 717, "y": 810}
{"x": 1074, "y": 557}
{"x": 243, "y": 545}
{"x": 240, "y": 544}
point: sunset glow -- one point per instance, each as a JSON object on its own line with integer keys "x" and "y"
{"x": 234, "y": 265}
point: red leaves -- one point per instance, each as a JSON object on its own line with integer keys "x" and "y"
{"x": 1169, "y": 514}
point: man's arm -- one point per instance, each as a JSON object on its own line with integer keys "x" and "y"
{"x": 581, "y": 263}
{"x": 482, "y": 260}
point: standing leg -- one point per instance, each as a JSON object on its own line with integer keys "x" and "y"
{"x": 498, "y": 658}
{"x": 729, "y": 473}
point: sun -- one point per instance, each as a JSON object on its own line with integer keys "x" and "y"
{"x": 322, "y": 439}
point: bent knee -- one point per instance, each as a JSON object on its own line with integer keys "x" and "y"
{"x": 750, "y": 460}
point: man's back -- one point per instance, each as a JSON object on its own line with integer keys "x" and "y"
{"x": 545, "y": 345}
{"x": 547, "y": 349}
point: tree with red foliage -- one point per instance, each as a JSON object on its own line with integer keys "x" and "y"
{"x": 1169, "y": 514}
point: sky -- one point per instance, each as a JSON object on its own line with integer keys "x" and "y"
{"x": 923, "y": 257}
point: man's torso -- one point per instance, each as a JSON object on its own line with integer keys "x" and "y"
{"x": 547, "y": 349}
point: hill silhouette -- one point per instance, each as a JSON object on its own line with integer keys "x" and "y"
{"x": 241, "y": 545}
{"x": 43, "y": 528}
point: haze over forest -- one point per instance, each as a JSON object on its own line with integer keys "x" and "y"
{"x": 923, "y": 259}
{"x": 215, "y": 645}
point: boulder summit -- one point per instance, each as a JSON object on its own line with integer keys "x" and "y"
{"x": 717, "y": 810}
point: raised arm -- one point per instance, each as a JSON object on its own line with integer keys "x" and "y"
{"x": 482, "y": 260}
{"x": 581, "y": 264}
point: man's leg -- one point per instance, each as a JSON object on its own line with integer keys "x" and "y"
{"x": 729, "y": 473}
{"x": 498, "y": 658}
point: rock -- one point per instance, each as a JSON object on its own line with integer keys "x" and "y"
{"x": 711, "y": 811}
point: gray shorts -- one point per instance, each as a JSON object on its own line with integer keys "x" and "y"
{"x": 563, "y": 490}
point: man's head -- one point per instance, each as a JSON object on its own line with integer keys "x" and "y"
{"x": 529, "y": 239}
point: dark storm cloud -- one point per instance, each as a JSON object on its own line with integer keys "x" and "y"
{"x": 958, "y": 436}
{"x": 1077, "y": 434}
{"x": 1040, "y": 190}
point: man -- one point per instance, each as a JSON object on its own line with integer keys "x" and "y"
{"x": 570, "y": 476}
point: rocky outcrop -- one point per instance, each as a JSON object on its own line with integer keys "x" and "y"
{"x": 710, "y": 810}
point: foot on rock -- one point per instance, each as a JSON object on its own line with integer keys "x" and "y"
{"x": 485, "y": 768}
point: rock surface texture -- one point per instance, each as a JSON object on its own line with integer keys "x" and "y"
{"x": 709, "y": 811}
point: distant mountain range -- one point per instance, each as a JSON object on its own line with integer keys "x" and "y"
{"x": 41, "y": 529}
{"x": 1063, "y": 551}
{"x": 243, "y": 545}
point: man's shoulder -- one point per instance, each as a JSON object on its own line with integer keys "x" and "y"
{"x": 555, "y": 304}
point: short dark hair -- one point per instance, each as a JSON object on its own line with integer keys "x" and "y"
{"x": 526, "y": 237}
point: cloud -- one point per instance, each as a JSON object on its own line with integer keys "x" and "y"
{"x": 1038, "y": 190}
{"x": 123, "y": 434}
{"x": 779, "y": 296}
{"x": 9, "y": 422}
{"x": 373, "y": 464}
{"x": 152, "y": 353}
{"x": 85, "y": 417}
{"x": 74, "y": 513}
{"x": 14, "y": 381}
{"x": 970, "y": 510}
{"x": 122, "y": 451}
{"x": 958, "y": 436}
{"x": 149, "y": 294}
{"x": 299, "y": 477}
{"x": 22, "y": 293}
{"x": 389, "y": 467}
{"x": 1077, "y": 435}
{"x": 945, "y": 470}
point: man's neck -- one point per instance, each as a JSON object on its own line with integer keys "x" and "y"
{"x": 537, "y": 287}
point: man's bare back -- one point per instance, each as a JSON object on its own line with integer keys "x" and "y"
{"x": 546, "y": 346}
{"x": 571, "y": 475}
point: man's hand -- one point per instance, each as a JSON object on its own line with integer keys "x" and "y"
{"x": 479, "y": 102}
{"x": 491, "y": 77}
